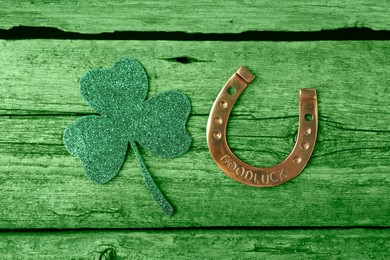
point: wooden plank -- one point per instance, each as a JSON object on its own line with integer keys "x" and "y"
{"x": 345, "y": 184}
{"x": 42, "y": 76}
{"x": 201, "y": 16}
{"x": 203, "y": 244}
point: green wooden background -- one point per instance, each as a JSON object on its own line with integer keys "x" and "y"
{"x": 338, "y": 207}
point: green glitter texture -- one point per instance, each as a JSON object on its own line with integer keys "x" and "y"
{"x": 118, "y": 95}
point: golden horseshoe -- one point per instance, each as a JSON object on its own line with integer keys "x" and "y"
{"x": 247, "y": 174}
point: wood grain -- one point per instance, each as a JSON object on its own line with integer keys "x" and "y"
{"x": 345, "y": 184}
{"x": 203, "y": 244}
{"x": 201, "y": 16}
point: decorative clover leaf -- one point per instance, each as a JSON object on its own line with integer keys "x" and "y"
{"x": 118, "y": 95}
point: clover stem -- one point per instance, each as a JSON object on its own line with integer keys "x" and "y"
{"x": 154, "y": 190}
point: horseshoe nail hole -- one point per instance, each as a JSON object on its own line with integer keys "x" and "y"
{"x": 297, "y": 159}
{"x": 217, "y": 135}
{"x": 308, "y": 117}
{"x": 218, "y": 120}
{"x": 307, "y": 131}
{"x": 304, "y": 145}
{"x": 231, "y": 91}
{"x": 223, "y": 104}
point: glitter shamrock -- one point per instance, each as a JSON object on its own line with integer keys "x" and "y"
{"x": 125, "y": 117}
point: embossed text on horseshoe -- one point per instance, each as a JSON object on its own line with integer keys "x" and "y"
{"x": 255, "y": 177}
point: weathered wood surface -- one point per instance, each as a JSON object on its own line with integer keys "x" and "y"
{"x": 201, "y": 244}
{"x": 195, "y": 16}
{"x": 345, "y": 184}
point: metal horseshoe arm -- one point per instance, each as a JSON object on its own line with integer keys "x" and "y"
{"x": 239, "y": 170}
